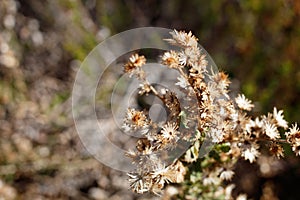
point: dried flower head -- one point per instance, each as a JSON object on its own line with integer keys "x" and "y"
{"x": 279, "y": 118}
{"x": 251, "y": 152}
{"x": 243, "y": 102}
{"x": 169, "y": 132}
{"x": 272, "y": 131}
{"x": 293, "y": 137}
{"x": 182, "y": 38}
{"x": 171, "y": 59}
{"x": 135, "y": 120}
{"x": 135, "y": 62}
{"x": 276, "y": 150}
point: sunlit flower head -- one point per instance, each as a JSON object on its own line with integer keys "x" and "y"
{"x": 293, "y": 131}
{"x": 278, "y": 116}
{"x": 226, "y": 175}
{"x": 271, "y": 131}
{"x": 169, "y": 132}
{"x": 221, "y": 79}
{"x": 135, "y": 61}
{"x": 251, "y": 152}
{"x": 135, "y": 120}
{"x": 137, "y": 183}
{"x": 254, "y": 126}
{"x": 170, "y": 59}
{"x": 243, "y": 103}
{"x": 296, "y": 149}
{"x": 183, "y": 39}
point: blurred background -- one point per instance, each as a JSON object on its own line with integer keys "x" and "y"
{"x": 42, "y": 44}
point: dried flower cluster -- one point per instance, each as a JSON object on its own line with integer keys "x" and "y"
{"x": 220, "y": 120}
